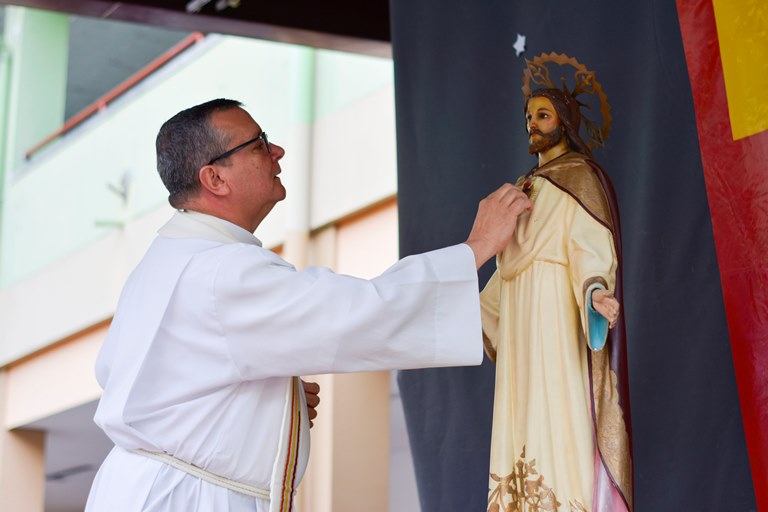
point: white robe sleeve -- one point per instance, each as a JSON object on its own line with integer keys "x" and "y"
{"x": 422, "y": 312}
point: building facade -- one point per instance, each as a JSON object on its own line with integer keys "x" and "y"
{"x": 80, "y": 201}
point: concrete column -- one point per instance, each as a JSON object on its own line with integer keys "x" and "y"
{"x": 349, "y": 461}
{"x": 22, "y": 463}
{"x": 360, "y": 408}
{"x": 298, "y": 180}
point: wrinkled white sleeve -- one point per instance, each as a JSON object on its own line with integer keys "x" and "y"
{"x": 422, "y": 312}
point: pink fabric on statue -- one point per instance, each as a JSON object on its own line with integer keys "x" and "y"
{"x": 606, "y": 498}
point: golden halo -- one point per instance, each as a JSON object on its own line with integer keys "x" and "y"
{"x": 537, "y": 73}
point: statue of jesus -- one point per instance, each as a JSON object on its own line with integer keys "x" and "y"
{"x": 552, "y": 323}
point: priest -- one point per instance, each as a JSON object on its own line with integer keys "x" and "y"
{"x": 199, "y": 369}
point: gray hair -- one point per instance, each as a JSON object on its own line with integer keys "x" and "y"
{"x": 185, "y": 143}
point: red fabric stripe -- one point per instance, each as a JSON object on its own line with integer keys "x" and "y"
{"x": 736, "y": 177}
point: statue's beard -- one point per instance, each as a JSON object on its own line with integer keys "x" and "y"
{"x": 547, "y": 140}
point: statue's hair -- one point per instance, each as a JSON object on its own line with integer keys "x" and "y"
{"x": 568, "y": 110}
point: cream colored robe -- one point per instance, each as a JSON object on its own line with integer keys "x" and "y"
{"x": 535, "y": 320}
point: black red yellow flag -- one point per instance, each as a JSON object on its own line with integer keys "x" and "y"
{"x": 688, "y": 156}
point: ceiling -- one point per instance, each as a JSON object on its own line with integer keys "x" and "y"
{"x": 347, "y": 25}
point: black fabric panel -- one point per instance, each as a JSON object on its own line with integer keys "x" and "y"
{"x": 460, "y": 134}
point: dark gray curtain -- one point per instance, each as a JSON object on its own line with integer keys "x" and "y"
{"x": 460, "y": 134}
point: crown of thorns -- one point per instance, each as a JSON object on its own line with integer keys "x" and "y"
{"x": 537, "y": 74}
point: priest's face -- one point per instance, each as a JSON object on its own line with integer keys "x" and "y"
{"x": 252, "y": 171}
{"x": 544, "y": 128}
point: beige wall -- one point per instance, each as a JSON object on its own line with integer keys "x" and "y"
{"x": 75, "y": 293}
{"x": 54, "y": 380}
{"x": 349, "y": 465}
{"x": 64, "y": 267}
{"x": 22, "y": 462}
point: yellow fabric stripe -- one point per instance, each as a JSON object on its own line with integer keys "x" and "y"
{"x": 742, "y": 30}
{"x": 292, "y": 455}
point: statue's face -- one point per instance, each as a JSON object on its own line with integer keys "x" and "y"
{"x": 543, "y": 125}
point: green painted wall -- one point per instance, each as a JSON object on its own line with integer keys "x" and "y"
{"x": 344, "y": 78}
{"x": 61, "y": 200}
{"x": 33, "y": 67}
{"x": 37, "y": 43}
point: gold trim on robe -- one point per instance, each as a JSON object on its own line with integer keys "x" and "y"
{"x": 574, "y": 176}
{"x": 571, "y": 174}
{"x": 284, "y": 474}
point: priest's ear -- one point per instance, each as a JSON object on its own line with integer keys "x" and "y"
{"x": 213, "y": 181}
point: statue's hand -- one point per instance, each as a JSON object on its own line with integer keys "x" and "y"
{"x": 606, "y": 304}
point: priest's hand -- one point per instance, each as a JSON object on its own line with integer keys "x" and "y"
{"x": 496, "y": 221}
{"x": 606, "y": 304}
{"x": 312, "y": 394}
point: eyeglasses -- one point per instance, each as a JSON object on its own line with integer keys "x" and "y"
{"x": 262, "y": 136}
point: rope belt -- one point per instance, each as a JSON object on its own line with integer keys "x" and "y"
{"x": 221, "y": 481}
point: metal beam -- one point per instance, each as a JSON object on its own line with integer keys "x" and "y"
{"x": 345, "y": 25}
